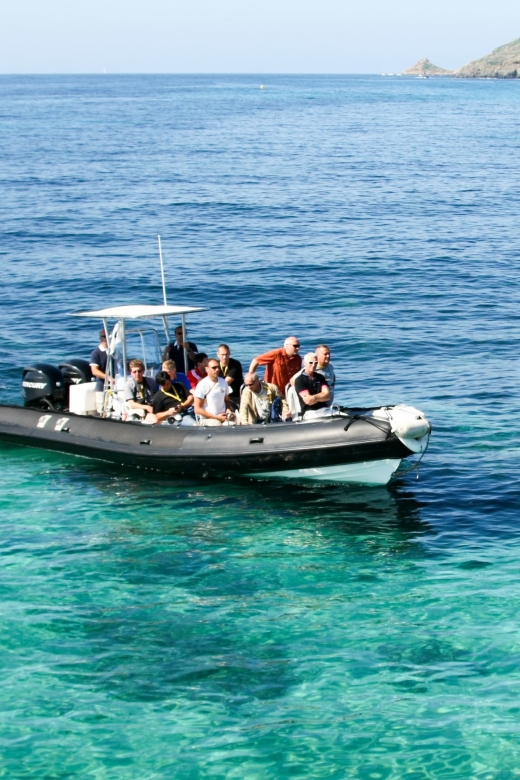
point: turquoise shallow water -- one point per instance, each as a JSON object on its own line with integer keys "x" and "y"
{"x": 154, "y": 629}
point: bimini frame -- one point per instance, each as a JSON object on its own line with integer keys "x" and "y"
{"x": 139, "y": 312}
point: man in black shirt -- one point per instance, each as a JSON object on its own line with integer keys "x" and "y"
{"x": 172, "y": 398}
{"x": 175, "y": 352}
{"x": 230, "y": 370}
{"x": 312, "y": 388}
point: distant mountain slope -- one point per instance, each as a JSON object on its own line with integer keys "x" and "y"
{"x": 502, "y": 63}
{"x": 426, "y": 68}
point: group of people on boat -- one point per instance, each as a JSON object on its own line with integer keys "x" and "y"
{"x": 214, "y": 391}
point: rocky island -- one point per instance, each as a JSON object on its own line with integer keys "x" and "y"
{"x": 426, "y": 68}
{"x": 502, "y": 63}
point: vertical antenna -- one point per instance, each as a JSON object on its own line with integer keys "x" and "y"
{"x": 162, "y": 271}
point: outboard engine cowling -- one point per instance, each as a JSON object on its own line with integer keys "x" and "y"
{"x": 42, "y": 386}
{"x": 76, "y": 372}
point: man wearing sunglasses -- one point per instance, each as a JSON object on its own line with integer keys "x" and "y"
{"x": 175, "y": 352}
{"x": 139, "y": 389}
{"x": 280, "y": 364}
{"x": 312, "y": 388}
{"x": 212, "y": 403}
{"x": 256, "y": 400}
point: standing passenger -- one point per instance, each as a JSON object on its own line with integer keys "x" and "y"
{"x": 281, "y": 364}
{"x": 175, "y": 351}
{"x": 231, "y": 371}
{"x": 99, "y": 360}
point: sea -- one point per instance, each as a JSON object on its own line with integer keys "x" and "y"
{"x": 162, "y": 629}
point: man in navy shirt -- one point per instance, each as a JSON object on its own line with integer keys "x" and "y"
{"x": 175, "y": 352}
{"x": 98, "y": 361}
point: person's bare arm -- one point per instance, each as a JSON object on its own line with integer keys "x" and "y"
{"x": 310, "y": 400}
{"x": 191, "y": 353}
{"x": 134, "y": 405}
{"x": 253, "y": 366}
{"x": 96, "y": 371}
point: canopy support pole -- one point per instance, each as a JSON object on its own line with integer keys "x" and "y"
{"x": 162, "y": 271}
{"x": 123, "y": 339}
{"x": 166, "y": 329}
{"x": 186, "y": 366}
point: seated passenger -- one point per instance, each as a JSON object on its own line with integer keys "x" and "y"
{"x": 256, "y": 400}
{"x": 175, "y": 376}
{"x": 230, "y": 370}
{"x": 199, "y": 372}
{"x": 312, "y": 389}
{"x": 324, "y": 367}
{"x": 171, "y": 399}
{"x": 212, "y": 402}
{"x": 139, "y": 389}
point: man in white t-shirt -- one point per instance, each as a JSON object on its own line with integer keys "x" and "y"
{"x": 212, "y": 403}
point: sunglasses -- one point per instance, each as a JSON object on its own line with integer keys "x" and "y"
{"x": 213, "y": 368}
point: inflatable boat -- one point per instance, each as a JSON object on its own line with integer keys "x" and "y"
{"x": 63, "y": 412}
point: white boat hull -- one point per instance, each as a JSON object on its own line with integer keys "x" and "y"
{"x": 375, "y": 472}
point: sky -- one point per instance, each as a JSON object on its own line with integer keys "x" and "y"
{"x": 239, "y": 36}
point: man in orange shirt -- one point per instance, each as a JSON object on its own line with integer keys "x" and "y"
{"x": 281, "y": 364}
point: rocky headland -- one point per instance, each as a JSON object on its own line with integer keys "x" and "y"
{"x": 501, "y": 63}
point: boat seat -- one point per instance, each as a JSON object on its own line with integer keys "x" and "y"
{"x": 293, "y": 402}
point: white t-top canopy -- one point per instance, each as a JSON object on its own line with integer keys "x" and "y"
{"x": 138, "y": 312}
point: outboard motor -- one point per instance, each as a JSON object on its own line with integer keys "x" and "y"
{"x": 42, "y": 386}
{"x": 74, "y": 372}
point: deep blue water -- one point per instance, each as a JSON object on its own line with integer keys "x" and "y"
{"x": 155, "y": 629}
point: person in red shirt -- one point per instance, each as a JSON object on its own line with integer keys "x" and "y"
{"x": 199, "y": 372}
{"x": 280, "y": 364}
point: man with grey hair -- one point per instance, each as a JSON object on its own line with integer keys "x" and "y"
{"x": 256, "y": 400}
{"x": 312, "y": 388}
{"x": 280, "y": 364}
